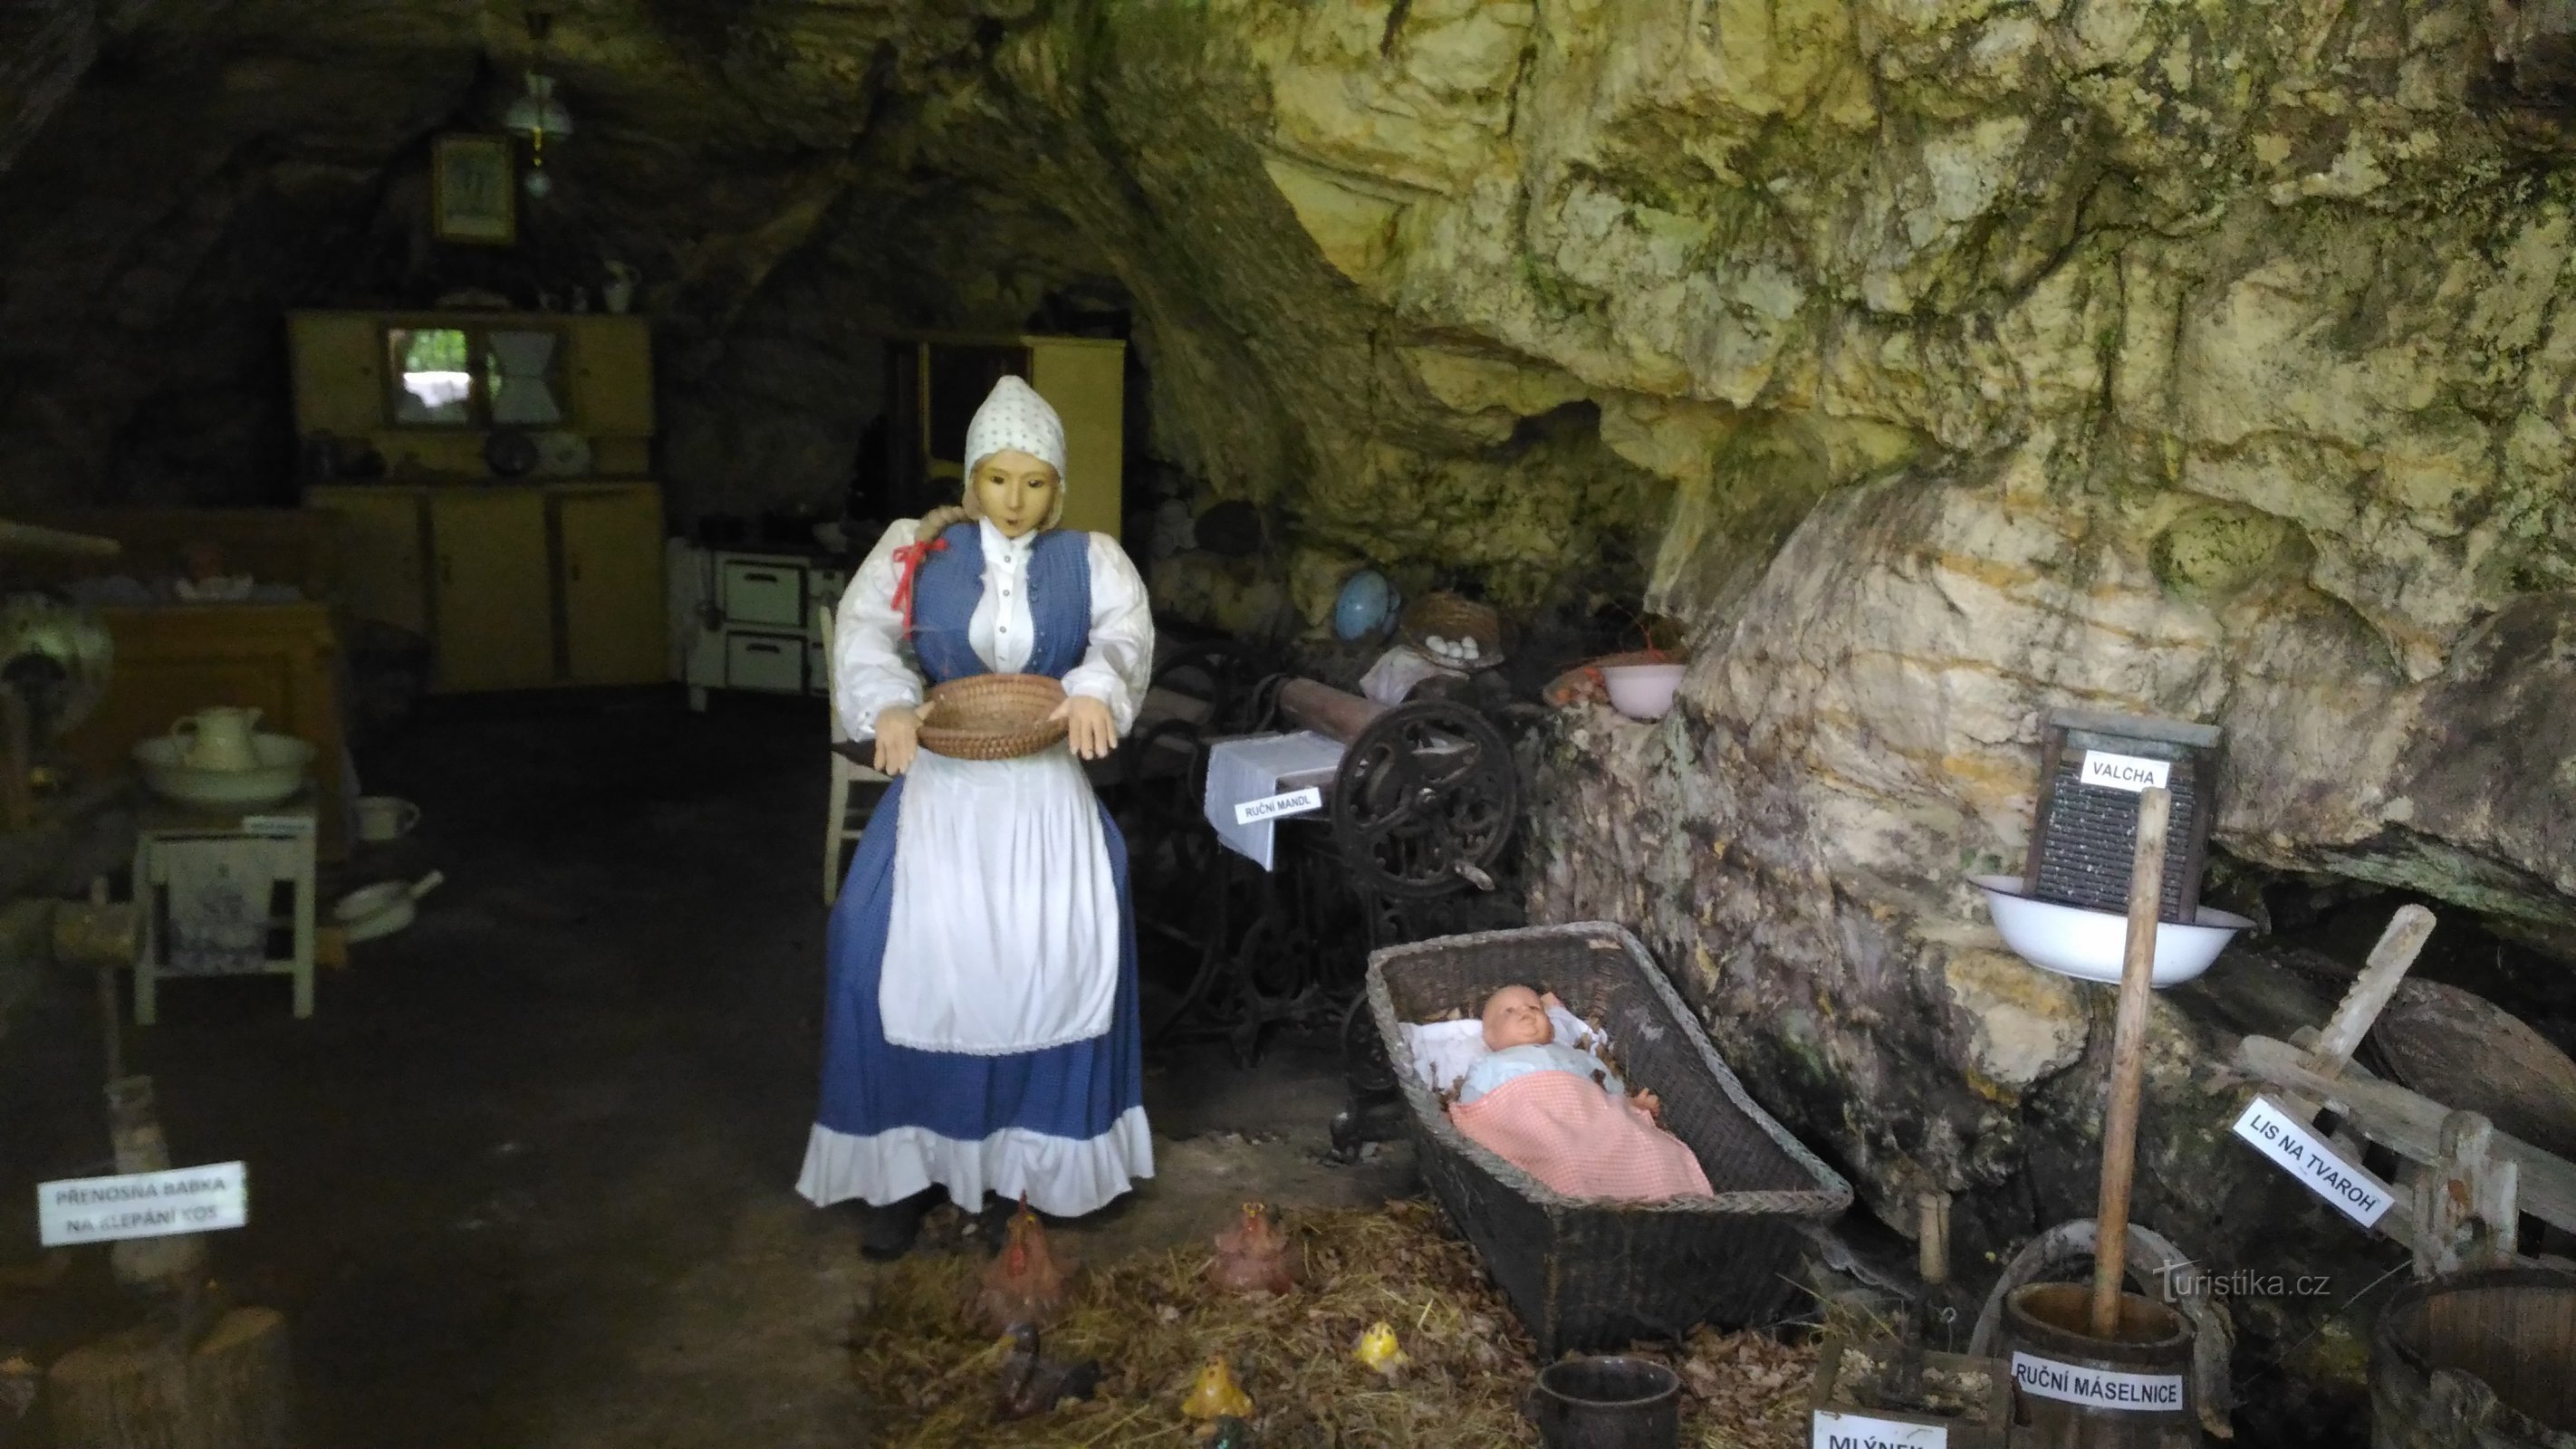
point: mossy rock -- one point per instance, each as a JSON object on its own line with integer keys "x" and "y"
{"x": 2215, "y": 551}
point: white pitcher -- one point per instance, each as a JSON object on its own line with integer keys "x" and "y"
{"x": 218, "y": 739}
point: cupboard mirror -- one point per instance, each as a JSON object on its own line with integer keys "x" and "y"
{"x": 519, "y": 378}
{"x": 433, "y": 376}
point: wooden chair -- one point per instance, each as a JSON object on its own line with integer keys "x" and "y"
{"x": 841, "y": 823}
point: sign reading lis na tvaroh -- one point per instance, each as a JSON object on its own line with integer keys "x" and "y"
{"x": 2309, "y": 1158}
{"x": 142, "y": 1205}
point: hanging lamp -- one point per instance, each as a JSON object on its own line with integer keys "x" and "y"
{"x": 536, "y": 113}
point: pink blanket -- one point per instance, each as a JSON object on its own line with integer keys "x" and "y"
{"x": 1581, "y": 1141}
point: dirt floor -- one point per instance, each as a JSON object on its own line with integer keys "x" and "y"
{"x": 526, "y": 1177}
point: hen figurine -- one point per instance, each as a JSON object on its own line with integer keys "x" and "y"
{"x": 1252, "y": 1256}
{"x": 1033, "y": 1383}
{"x": 1215, "y": 1398}
{"x": 1023, "y": 1285}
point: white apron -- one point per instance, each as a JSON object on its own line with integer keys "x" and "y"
{"x": 1003, "y": 933}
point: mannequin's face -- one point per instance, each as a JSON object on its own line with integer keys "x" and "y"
{"x": 1015, "y": 490}
{"x": 1514, "y": 1016}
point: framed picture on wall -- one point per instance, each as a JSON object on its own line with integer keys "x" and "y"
{"x": 473, "y": 193}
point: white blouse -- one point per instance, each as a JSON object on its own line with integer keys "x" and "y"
{"x": 872, "y": 664}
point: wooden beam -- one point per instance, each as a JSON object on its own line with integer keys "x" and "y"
{"x": 2330, "y": 1051}
{"x": 2412, "y": 1124}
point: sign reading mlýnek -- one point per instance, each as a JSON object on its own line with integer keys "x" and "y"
{"x": 142, "y": 1205}
{"x": 2132, "y": 773}
{"x": 1859, "y": 1431}
{"x": 2305, "y": 1156}
{"x": 2097, "y": 1388}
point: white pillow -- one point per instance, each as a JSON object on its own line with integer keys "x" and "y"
{"x": 1443, "y": 1051}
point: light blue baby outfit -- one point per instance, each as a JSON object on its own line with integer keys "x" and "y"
{"x": 1496, "y": 1068}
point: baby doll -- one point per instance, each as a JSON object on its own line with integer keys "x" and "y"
{"x": 1519, "y": 1040}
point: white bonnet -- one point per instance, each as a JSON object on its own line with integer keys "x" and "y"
{"x": 1015, "y": 417}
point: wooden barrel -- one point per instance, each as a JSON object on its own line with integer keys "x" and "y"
{"x": 2072, "y": 1390}
{"x": 2483, "y": 1359}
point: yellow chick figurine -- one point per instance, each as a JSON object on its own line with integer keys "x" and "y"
{"x": 1378, "y": 1349}
{"x": 1215, "y": 1396}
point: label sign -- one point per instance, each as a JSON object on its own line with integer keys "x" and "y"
{"x": 2307, "y": 1157}
{"x": 142, "y": 1205}
{"x": 2133, "y": 773}
{"x": 2094, "y": 1388}
{"x": 1859, "y": 1431}
{"x": 1295, "y": 802}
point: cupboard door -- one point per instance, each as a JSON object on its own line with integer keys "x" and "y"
{"x": 495, "y": 625}
{"x": 612, "y": 375}
{"x": 1085, "y": 382}
{"x": 339, "y": 372}
{"x": 614, "y": 624}
{"x": 383, "y": 550}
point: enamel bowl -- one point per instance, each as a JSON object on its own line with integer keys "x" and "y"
{"x": 2088, "y": 945}
{"x": 1642, "y": 691}
{"x": 283, "y": 763}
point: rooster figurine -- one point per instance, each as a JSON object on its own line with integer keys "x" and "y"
{"x": 1023, "y": 1285}
{"x": 1252, "y": 1256}
{"x": 1033, "y": 1383}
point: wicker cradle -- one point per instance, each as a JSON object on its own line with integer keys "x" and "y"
{"x": 1587, "y": 1273}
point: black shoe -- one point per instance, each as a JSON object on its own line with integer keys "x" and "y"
{"x": 887, "y": 1233}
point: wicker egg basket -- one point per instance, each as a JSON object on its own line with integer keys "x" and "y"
{"x": 1449, "y": 617}
{"x": 993, "y": 717}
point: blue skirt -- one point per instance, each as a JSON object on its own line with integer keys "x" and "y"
{"x": 1065, "y": 1126}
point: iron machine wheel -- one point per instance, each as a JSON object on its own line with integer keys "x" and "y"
{"x": 1425, "y": 800}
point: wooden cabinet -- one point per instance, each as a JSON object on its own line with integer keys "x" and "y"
{"x": 384, "y": 541}
{"x": 514, "y": 587}
{"x": 612, "y": 375}
{"x": 611, "y": 544}
{"x": 491, "y": 599}
{"x": 1086, "y": 383}
{"x": 587, "y": 375}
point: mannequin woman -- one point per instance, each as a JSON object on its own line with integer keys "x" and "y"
{"x": 981, "y": 1029}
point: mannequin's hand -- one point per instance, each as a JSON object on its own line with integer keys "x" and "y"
{"x": 898, "y": 735}
{"x": 1088, "y": 726}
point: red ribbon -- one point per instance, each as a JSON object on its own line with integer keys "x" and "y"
{"x": 911, "y": 556}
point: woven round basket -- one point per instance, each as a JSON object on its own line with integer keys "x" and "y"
{"x": 1451, "y": 618}
{"x": 993, "y": 717}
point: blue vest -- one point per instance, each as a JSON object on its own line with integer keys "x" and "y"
{"x": 950, "y": 583}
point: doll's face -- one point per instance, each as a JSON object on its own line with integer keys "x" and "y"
{"x": 1015, "y": 490}
{"x": 1514, "y": 1017}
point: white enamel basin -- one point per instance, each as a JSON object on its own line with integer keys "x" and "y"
{"x": 2073, "y": 941}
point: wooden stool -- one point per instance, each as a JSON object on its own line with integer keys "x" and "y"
{"x": 141, "y": 1390}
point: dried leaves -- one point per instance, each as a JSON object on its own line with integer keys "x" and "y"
{"x": 1153, "y": 1322}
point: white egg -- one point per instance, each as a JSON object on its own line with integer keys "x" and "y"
{"x": 1472, "y": 650}
{"x": 1437, "y": 644}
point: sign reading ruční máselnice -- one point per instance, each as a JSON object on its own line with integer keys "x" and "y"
{"x": 142, "y": 1204}
{"x": 2096, "y": 1388}
{"x": 1834, "y": 1429}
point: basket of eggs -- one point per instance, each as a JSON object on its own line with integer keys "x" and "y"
{"x": 1459, "y": 633}
{"x": 992, "y": 716}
